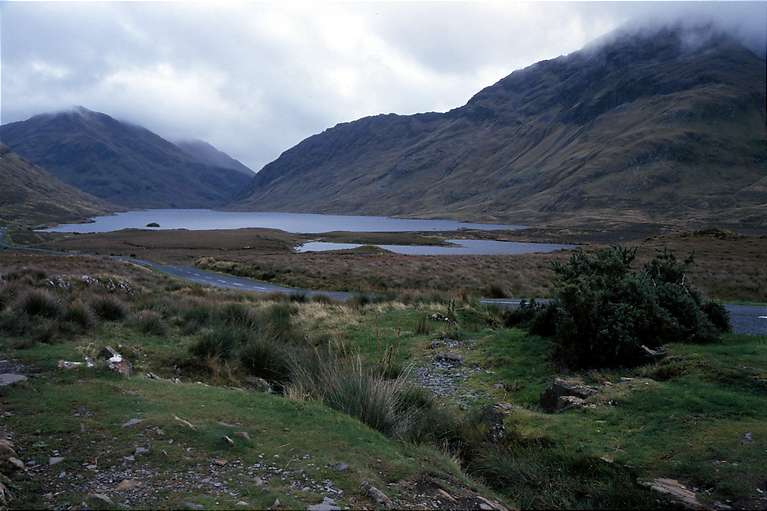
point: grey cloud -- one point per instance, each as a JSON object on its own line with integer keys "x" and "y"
{"x": 255, "y": 78}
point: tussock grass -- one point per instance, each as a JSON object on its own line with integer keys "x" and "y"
{"x": 108, "y": 307}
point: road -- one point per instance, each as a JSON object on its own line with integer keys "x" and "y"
{"x": 746, "y": 319}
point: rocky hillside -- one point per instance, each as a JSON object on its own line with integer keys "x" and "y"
{"x": 639, "y": 127}
{"x": 120, "y": 162}
{"x": 209, "y": 155}
{"x": 30, "y": 195}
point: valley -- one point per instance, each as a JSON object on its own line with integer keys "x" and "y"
{"x": 551, "y": 297}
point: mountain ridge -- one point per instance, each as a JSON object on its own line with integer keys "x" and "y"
{"x": 633, "y": 125}
{"x": 31, "y": 195}
{"x": 119, "y": 161}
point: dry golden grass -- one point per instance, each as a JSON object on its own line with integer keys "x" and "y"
{"x": 728, "y": 266}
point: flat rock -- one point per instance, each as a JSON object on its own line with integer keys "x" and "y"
{"x": 192, "y": 505}
{"x": 327, "y": 504}
{"x": 55, "y": 460}
{"x": 574, "y": 387}
{"x": 450, "y": 358}
{"x": 132, "y": 422}
{"x": 127, "y": 484}
{"x": 7, "y": 379}
{"x": 99, "y": 501}
{"x": 675, "y": 491}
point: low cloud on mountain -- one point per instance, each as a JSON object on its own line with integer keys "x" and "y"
{"x": 254, "y": 79}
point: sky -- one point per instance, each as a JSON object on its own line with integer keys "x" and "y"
{"x": 256, "y": 78}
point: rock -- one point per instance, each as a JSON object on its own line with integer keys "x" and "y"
{"x": 450, "y": 358}
{"x": 573, "y": 387}
{"x": 675, "y": 491}
{"x": 66, "y": 364}
{"x": 341, "y": 467}
{"x": 192, "y": 505}
{"x": 220, "y": 462}
{"x": 242, "y": 503}
{"x": 16, "y": 463}
{"x": 55, "y": 460}
{"x": 445, "y": 495}
{"x": 127, "y": 484}
{"x": 132, "y": 422}
{"x": 258, "y": 384}
{"x": 99, "y": 501}
{"x": 7, "y": 379}
{"x": 185, "y": 422}
{"x": 6, "y": 449}
{"x": 565, "y": 403}
{"x": 748, "y": 438}
{"x": 242, "y": 434}
{"x": 276, "y": 504}
{"x": 651, "y": 354}
{"x": 377, "y": 495}
{"x": 115, "y": 361}
{"x": 140, "y": 450}
{"x": 229, "y": 441}
{"x": 504, "y": 407}
{"x": 327, "y": 504}
{"x": 5, "y": 495}
{"x": 490, "y": 505}
{"x": 492, "y": 420}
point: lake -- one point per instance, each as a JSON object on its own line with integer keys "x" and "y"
{"x": 206, "y": 219}
{"x": 460, "y": 247}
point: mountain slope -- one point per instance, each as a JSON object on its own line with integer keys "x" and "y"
{"x": 644, "y": 127}
{"x": 30, "y": 195}
{"x": 120, "y": 162}
{"x": 209, "y": 155}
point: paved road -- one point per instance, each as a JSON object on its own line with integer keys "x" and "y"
{"x": 746, "y": 319}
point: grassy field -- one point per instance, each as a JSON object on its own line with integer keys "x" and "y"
{"x": 697, "y": 416}
{"x": 728, "y": 266}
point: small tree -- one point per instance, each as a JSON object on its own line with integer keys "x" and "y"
{"x": 608, "y": 313}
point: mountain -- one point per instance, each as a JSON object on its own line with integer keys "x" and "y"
{"x": 209, "y": 155}
{"x": 31, "y": 195}
{"x": 663, "y": 126}
{"x": 120, "y": 162}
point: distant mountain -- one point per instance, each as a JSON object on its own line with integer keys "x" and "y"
{"x": 664, "y": 126}
{"x": 209, "y": 155}
{"x": 120, "y": 162}
{"x": 30, "y": 195}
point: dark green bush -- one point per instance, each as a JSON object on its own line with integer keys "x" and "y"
{"x": 150, "y": 322}
{"x": 108, "y": 307}
{"x": 496, "y": 291}
{"x": 606, "y": 313}
{"x": 79, "y": 316}
{"x": 718, "y": 315}
{"x": 221, "y": 341}
{"x": 266, "y": 358}
{"x": 36, "y": 302}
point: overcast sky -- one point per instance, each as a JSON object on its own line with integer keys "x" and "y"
{"x": 254, "y": 79}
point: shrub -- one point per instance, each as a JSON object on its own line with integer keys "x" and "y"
{"x": 351, "y": 388}
{"x": 496, "y": 291}
{"x": 150, "y": 322}
{"x": 221, "y": 342}
{"x": 606, "y": 312}
{"x": 523, "y": 315}
{"x": 36, "y": 302}
{"x": 718, "y": 315}
{"x": 276, "y": 322}
{"x": 109, "y": 308}
{"x": 266, "y": 358}
{"x": 423, "y": 326}
{"x": 79, "y": 315}
{"x": 238, "y": 315}
{"x": 196, "y": 317}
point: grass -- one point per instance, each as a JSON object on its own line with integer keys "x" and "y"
{"x": 689, "y": 427}
{"x": 684, "y": 417}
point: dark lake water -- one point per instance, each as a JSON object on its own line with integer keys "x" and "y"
{"x": 203, "y": 219}
{"x": 461, "y": 247}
